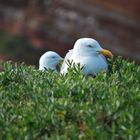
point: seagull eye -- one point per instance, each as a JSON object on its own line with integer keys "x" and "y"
{"x": 90, "y": 46}
{"x": 53, "y": 57}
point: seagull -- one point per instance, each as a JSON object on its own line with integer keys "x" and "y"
{"x": 89, "y": 54}
{"x": 50, "y": 60}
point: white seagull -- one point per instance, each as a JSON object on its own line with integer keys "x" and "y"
{"x": 49, "y": 60}
{"x": 89, "y": 54}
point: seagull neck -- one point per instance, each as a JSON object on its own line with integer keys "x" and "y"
{"x": 52, "y": 67}
{"x": 46, "y": 67}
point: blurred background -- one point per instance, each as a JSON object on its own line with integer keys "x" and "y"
{"x": 28, "y": 28}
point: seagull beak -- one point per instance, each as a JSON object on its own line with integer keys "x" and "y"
{"x": 61, "y": 61}
{"x": 106, "y": 53}
{"x": 58, "y": 66}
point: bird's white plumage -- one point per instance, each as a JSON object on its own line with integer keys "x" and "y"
{"x": 86, "y": 52}
{"x": 49, "y": 60}
{"x": 64, "y": 66}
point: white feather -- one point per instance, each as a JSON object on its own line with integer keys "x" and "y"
{"x": 49, "y": 60}
{"x": 85, "y": 52}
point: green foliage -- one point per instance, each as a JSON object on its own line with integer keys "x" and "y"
{"x": 14, "y": 44}
{"x": 45, "y": 105}
{"x": 19, "y": 48}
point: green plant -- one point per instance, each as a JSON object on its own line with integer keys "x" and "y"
{"x": 45, "y": 105}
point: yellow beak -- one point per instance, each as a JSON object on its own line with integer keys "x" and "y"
{"x": 58, "y": 66}
{"x": 61, "y": 62}
{"x": 106, "y": 53}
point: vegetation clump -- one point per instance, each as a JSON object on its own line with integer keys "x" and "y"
{"x": 42, "y": 105}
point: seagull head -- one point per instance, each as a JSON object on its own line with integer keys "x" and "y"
{"x": 87, "y": 46}
{"x": 49, "y": 60}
